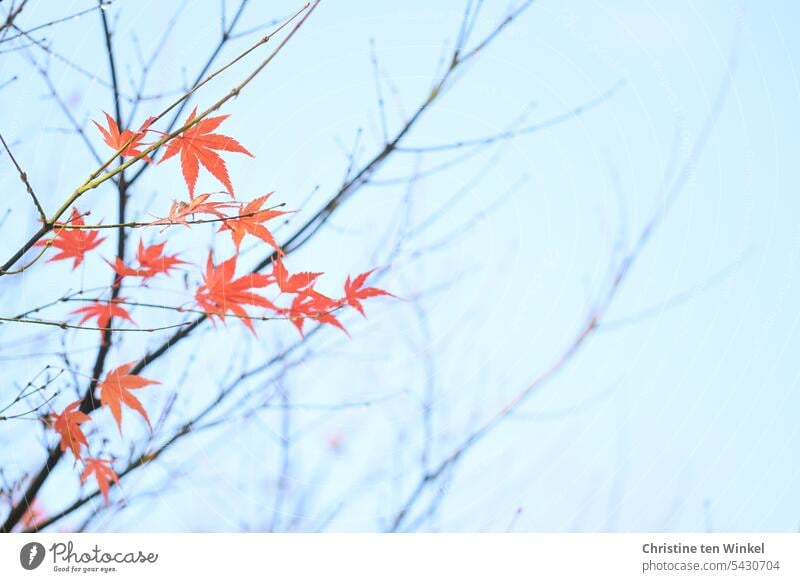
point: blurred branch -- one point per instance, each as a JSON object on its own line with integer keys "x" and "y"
{"x": 619, "y": 274}
{"x": 521, "y": 131}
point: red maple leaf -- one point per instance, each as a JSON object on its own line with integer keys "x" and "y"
{"x": 68, "y": 425}
{"x": 103, "y": 474}
{"x": 73, "y": 243}
{"x": 152, "y": 261}
{"x": 251, "y": 221}
{"x": 355, "y": 292}
{"x": 311, "y": 304}
{"x": 180, "y": 211}
{"x": 123, "y": 270}
{"x": 291, "y": 283}
{"x": 196, "y": 146}
{"x": 104, "y": 311}
{"x": 220, "y": 293}
{"x": 116, "y": 139}
{"x": 115, "y": 390}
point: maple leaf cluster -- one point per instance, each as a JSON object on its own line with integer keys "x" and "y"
{"x": 222, "y": 294}
{"x": 115, "y": 392}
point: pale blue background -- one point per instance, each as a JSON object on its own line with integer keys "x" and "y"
{"x": 684, "y": 421}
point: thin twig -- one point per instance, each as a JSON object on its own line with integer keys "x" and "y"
{"x": 24, "y": 177}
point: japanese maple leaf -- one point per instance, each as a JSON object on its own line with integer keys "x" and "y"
{"x": 104, "y": 311}
{"x": 152, "y": 261}
{"x": 291, "y": 283}
{"x": 72, "y": 243}
{"x": 355, "y": 292}
{"x": 103, "y": 474}
{"x": 68, "y": 425}
{"x": 250, "y": 222}
{"x": 311, "y": 304}
{"x": 196, "y": 146}
{"x": 180, "y": 212}
{"x": 115, "y": 390}
{"x": 220, "y": 293}
{"x": 115, "y": 139}
{"x": 122, "y": 270}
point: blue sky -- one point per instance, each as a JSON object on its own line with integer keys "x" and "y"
{"x": 681, "y": 420}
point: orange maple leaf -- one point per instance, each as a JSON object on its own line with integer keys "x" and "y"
{"x": 152, "y": 261}
{"x": 115, "y": 139}
{"x": 103, "y": 474}
{"x": 115, "y": 390}
{"x": 355, "y": 292}
{"x": 250, "y": 222}
{"x": 68, "y": 425}
{"x": 104, "y": 311}
{"x": 72, "y": 243}
{"x": 196, "y": 146}
{"x": 291, "y": 283}
{"x": 221, "y": 293}
{"x": 180, "y": 211}
{"x": 311, "y": 304}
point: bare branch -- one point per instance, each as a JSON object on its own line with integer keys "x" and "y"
{"x": 24, "y": 177}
